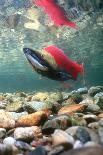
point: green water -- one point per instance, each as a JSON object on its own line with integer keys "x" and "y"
{"x": 84, "y": 45}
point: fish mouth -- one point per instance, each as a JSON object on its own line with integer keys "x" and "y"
{"x": 35, "y": 59}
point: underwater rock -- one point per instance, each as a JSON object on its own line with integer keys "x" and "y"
{"x": 38, "y": 151}
{"x": 94, "y": 90}
{"x": 93, "y": 108}
{"x": 15, "y": 106}
{"x": 99, "y": 102}
{"x": 32, "y": 119}
{"x": 5, "y": 149}
{"x": 27, "y": 133}
{"x": 76, "y": 97}
{"x": 90, "y": 118}
{"x": 60, "y": 137}
{"x": 82, "y": 90}
{"x": 78, "y": 144}
{"x": 9, "y": 141}
{"x": 84, "y": 151}
{"x": 100, "y": 130}
{"x": 23, "y": 146}
{"x": 93, "y": 125}
{"x": 2, "y": 132}
{"x": 2, "y": 97}
{"x": 3, "y": 104}
{"x": 55, "y": 97}
{"x": 16, "y": 115}
{"x": 82, "y": 134}
{"x": 6, "y": 121}
{"x": 86, "y": 131}
{"x": 72, "y": 109}
{"x": 60, "y": 122}
{"x": 40, "y": 96}
{"x": 34, "y": 106}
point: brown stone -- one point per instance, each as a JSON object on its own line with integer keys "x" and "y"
{"x": 100, "y": 115}
{"x": 72, "y": 109}
{"x": 32, "y": 119}
{"x": 6, "y": 120}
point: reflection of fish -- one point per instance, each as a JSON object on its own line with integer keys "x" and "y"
{"x": 63, "y": 69}
{"x": 56, "y": 13}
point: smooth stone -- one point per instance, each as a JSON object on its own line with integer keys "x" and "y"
{"x": 94, "y": 90}
{"x": 93, "y": 108}
{"x": 77, "y": 144}
{"x": 5, "y": 149}
{"x": 9, "y": 141}
{"x": 32, "y": 119}
{"x": 76, "y": 97}
{"x": 40, "y": 96}
{"x": 6, "y": 120}
{"x": 100, "y": 130}
{"x": 16, "y": 115}
{"x": 38, "y": 151}
{"x": 91, "y": 143}
{"x": 15, "y": 106}
{"x": 2, "y": 132}
{"x": 72, "y": 109}
{"x": 98, "y": 95}
{"x": 84, "y": 151}
{"x": 60, "y": 122}
{"x": 83, "y": 135}
{"x": 82, "y": 90}
{"x": 88, "y": 101}
{"x": 60, "y": 137}
{"x": 23, "y": 146}
{"x": 3, "y": 104}
{"x": 93, "y": 125}
{"x": 56, "y": 150}
{"x": 34, "y": 106}
{"x": 27, "y": 133}
{"x": 99, "y": 102}
{"x": 90, "y": 118}
{"x": 73, "y": 130}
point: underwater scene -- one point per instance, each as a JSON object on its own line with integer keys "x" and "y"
{"x": 51, "y": 77}
{"x": 24, "y": 24}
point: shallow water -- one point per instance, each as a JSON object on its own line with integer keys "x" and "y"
{"x": 84, "y": 46}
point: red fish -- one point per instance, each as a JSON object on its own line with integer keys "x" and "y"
{"x": 65, "y": 62}
{"x": 56, "y": 13}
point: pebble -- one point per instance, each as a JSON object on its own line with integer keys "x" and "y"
{"x": 32, "y": 119}
{"x": 23, "y": 146}
{"x": 38, "y": 151}
{"x": 9, "y": 141}
{"x": 59, "y": 122}
{"x": 27, "y": 133}
{"x": 90, "y": 118}
{"x": 60, "y": 137}
{"x": 72, "y": 109}
{"x": 84, "y": 151}
{"x": 6, "y": 121}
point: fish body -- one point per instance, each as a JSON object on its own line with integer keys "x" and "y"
{"x": 56, "y": 13}
{"x": 43, "y": 67}
{"x": 64, "y": 62}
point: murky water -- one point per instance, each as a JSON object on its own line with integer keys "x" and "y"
{"x": 84, "y": 46}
